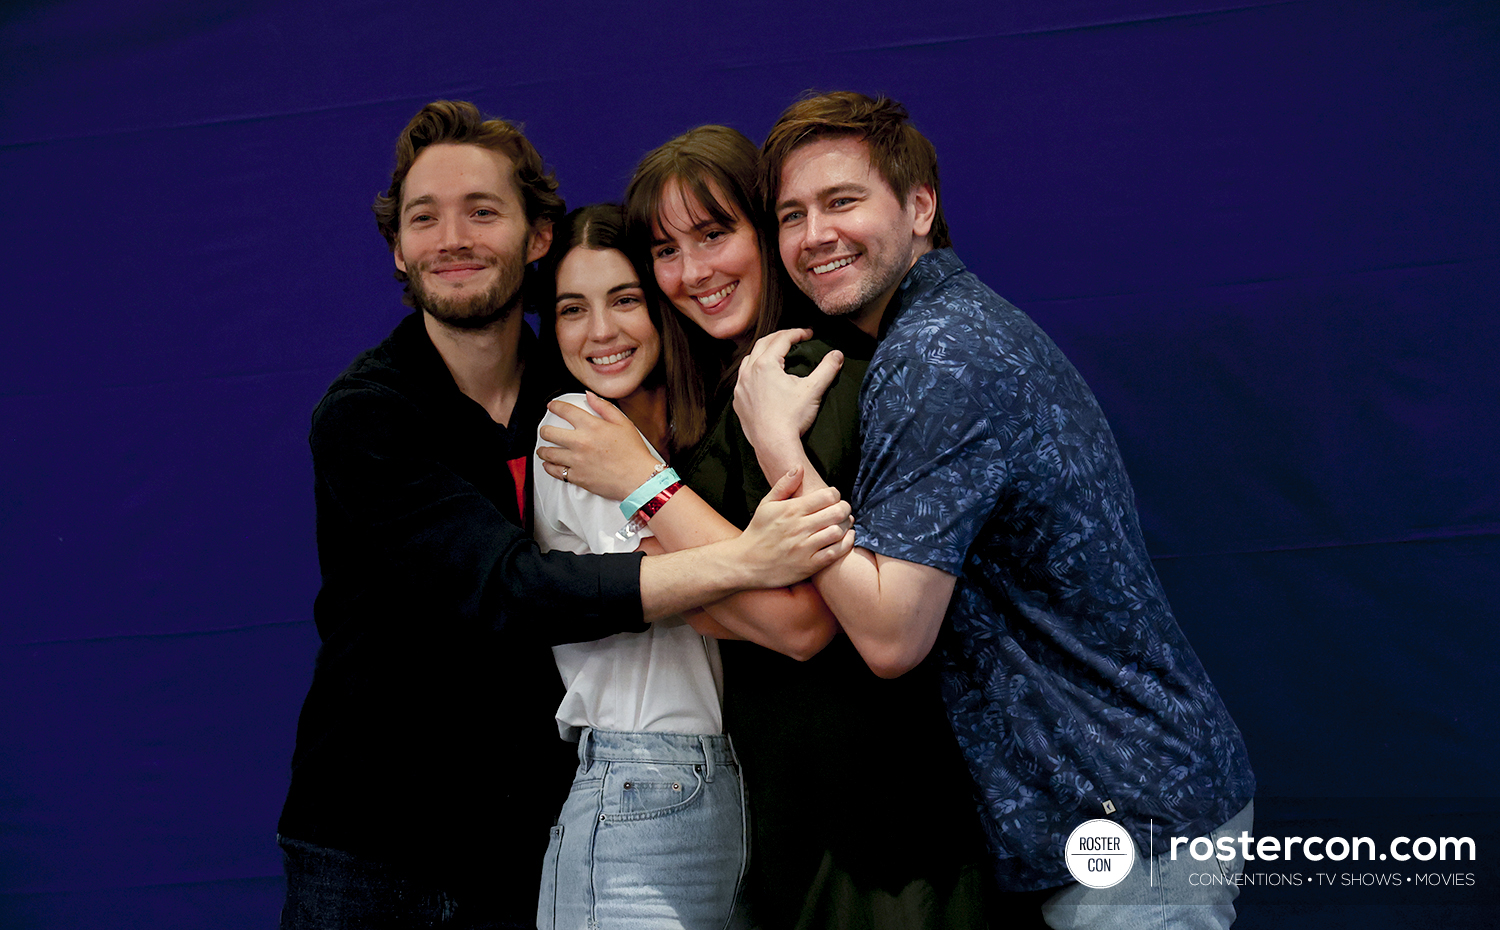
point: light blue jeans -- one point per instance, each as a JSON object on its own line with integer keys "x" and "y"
{"x": 651, "y": 837}
{"x": 1159, "y": 893}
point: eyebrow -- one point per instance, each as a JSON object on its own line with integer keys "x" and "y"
{"x": 848, "y": 187}
{"x": 658, "y": 239}
{"x": 627, "y": 286}
{"x": 472, "y": 197}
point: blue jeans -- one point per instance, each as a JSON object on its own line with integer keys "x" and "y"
{"x": 652, "y": 835}
{"x": 1159, "y": 893}
{"x": 328, "y": 889}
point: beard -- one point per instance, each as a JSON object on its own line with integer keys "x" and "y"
{"x": 883, "y": 275}
{"x": 478, "y": 310}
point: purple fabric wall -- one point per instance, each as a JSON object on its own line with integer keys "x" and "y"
{"x": 1264, "y": 231}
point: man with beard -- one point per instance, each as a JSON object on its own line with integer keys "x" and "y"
{"x": 427, "y": 765}
{"x": 998, "y": 533}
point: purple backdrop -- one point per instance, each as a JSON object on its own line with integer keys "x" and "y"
{"x": 1265, "y": 231}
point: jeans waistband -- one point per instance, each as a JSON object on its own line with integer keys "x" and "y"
{"x": 710, "y": 750}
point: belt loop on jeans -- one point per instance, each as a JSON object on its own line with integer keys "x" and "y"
{"x": 584, "y": 755}
{"x": 708, "y": 759}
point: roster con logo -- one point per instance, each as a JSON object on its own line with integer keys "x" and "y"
{"x": 1099, "y": 854}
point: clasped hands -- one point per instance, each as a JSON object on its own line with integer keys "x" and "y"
{"x": 791, "y": 535}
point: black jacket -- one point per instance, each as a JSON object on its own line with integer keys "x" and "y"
{"x": 427, "y": 740}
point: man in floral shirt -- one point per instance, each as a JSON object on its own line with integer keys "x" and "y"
{"x": 996, "y": 526}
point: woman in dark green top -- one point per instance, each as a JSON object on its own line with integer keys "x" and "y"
{"x": 861, "y": 811}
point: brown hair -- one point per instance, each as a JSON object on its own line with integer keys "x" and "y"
{"x": 718, "y": 167}
{"x": 903, "y": 156}
{"x": 460, "y": 122}
{"x": 602, "y": 226}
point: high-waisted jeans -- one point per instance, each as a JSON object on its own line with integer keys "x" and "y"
{"x": 652, "y": 836}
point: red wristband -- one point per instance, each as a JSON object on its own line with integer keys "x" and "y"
{"x": 649, "y": 509}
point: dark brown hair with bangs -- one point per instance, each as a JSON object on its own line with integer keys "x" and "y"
{"x": 717, "y": 167}
{"x": 602, "y": 226}
{"x": 903, "y": 156}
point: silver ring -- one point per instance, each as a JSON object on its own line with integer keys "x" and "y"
{"x": 565, "y": 474}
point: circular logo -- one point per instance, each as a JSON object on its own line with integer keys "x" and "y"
{"x": 1099, "y": 853}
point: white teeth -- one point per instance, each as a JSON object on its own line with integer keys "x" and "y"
{"x": 824, "y": 269}
{"x": 708, "y": 300}
{"x": 611, "y": 359}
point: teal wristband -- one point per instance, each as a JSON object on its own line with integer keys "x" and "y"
{"x": 654, "y": 485}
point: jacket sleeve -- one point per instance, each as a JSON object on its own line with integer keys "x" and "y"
{"x": 404, "y": 525}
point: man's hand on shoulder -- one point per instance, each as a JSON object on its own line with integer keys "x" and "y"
{"x": 776, "y": 408}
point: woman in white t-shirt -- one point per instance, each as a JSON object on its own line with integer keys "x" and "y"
{"x": 653, "y": 831}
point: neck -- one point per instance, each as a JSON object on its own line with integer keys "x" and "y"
{"x": 869, "y": 317}
{"x": 485, "y": 363}
{"x": 647, "y": 409}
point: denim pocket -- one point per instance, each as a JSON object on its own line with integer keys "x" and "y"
{"x": 638, "y": 790}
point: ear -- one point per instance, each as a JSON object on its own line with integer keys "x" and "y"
{"x": 539, "y": 241}
{"x": 400, "y": 259}
{"x": 924, "y": 208}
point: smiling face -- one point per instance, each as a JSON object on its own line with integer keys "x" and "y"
{"x": 710, "y": 271}
{"x": 463, "y": 235}
{"x": 603, "y": 326}
{"x": 845, "y": 238}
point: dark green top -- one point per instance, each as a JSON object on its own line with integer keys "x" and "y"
{"x": 838, "y": 762}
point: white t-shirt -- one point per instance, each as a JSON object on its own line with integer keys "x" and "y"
{"x": 665, "y": 680}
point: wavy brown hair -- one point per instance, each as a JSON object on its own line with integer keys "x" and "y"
{"x": 903, "y": 156}
{"x": 459, "y": 122}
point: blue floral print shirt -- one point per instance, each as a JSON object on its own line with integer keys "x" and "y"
{"x": 1072, "y": 691}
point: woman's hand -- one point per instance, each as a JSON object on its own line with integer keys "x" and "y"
{"x": 603, "y": 454}
{"x": 791, "y": 538}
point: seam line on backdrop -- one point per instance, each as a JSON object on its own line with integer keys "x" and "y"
{"x": 1018, "y": 33}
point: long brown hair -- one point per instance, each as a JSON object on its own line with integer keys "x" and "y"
{"x": 719, "y": 168}
{"x": 602, "y": 226}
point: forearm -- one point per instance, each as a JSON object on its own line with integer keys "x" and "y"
{"x": 696, "y": 618}
{"x": 776, "y": 458}
{"x": 891, "y": 610}
{"x": 706, "y": 625}
{"x": 793, "y": 621}
{"x": 565, "y": 598}
{"x": 401, "y": 525}
{"x": 676, "y": 582}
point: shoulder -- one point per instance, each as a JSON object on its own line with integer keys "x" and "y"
{"x": 392, "y": 370}
{"x": 805, "y": 356}
{"x": 578, "y": 400}
{"x": 952, "y": 321}
{"x": 945, "y": 297}
{"x": 361, "y": 409}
